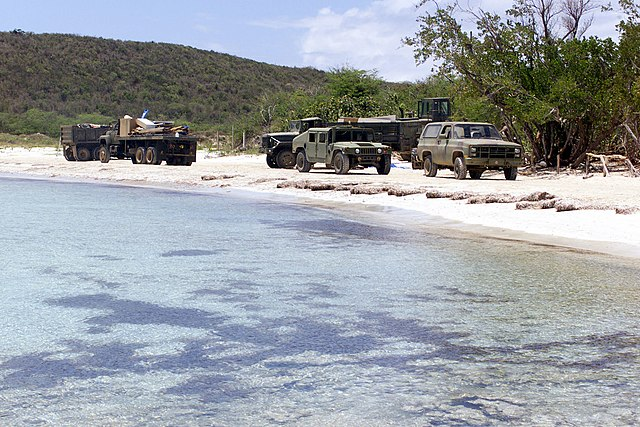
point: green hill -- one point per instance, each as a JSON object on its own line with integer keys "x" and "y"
{"x": 67, "y": 75}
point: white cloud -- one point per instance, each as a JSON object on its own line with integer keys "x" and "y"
{"x": 364, "y": 38}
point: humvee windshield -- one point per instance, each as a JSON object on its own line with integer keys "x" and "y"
{"x": 472, "y": 130}
{"x": 356, "y": 135}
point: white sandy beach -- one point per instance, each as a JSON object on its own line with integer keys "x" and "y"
{"x": 601, "y": 230}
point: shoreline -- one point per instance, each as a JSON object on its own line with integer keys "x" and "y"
{"x": 599, "y": 230}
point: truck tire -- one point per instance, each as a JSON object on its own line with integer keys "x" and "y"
{"x": 103, "y": 154}
{"x": 341, "y": 163}
{"x": 84, "y": 154}
{"x": 151, "y": 156}
{"x": 302, "y": 164}
{"x": 511, "y": 173}
{"x": 430, "y": 168}
{"x": 459, "y": 168}
{"x": 285, "y": 159}
{"x": 68, "y": 154}
{"x": 140, "y": 155}
{"x": 385, "y": 166}
{"x": 96, "y": 153}
{"x": 271, "y": 162}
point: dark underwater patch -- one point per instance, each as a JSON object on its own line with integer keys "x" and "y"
{"x": 188, "y": 252}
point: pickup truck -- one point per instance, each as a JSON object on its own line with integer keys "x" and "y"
{"x": 466, "y": 147}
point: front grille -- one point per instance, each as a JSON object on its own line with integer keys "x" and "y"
{"x": 368, "y": 151}
{"x": 494, "y": 152}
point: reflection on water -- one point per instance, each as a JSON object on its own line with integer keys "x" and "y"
{"x": 127, "y": 306}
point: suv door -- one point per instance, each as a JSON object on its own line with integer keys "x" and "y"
{"x": 441, "y": 153}
{"x": 427, "y": 141}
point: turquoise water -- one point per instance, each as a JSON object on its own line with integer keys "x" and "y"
{"x": 138, "y": 306}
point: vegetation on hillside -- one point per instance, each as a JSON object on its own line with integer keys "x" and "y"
{"x": 46, "y": 79}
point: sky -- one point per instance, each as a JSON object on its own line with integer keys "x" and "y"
{"x": 329, "y": 34}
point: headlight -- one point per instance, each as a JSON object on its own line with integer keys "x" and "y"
{"x": 357, "y": 151}
{"x": 379, "y": 150}
{"x": 517, "y": 152}
{"x": 473, "y": 150}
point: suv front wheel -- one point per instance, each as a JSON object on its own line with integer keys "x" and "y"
{"x": 430, "y": 168}
{"x": 459, "y": 168}
{"x": 511, "y": 173}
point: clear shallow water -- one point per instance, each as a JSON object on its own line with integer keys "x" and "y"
{"x": 130, "y": 306}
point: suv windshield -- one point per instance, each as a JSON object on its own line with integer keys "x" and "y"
{"x": 472, "y": 130}
{"x": 358, "y": 135}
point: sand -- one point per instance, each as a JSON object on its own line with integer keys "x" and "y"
{"x": 595, "y": 227}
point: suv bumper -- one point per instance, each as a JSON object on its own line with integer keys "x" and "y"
{"x": 492, "y": 163}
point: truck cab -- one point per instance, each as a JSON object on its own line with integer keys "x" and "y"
{"x": 277, "y": 145}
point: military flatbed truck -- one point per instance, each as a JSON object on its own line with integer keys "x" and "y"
{"x": 81, "y": 142}
{"x": 342, "y": 148}
{"x": 152, "y": 147}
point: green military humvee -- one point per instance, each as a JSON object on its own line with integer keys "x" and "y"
{"x": 466, "y": 146}
{"x": 340, "y": 147}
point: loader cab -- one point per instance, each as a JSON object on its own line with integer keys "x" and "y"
{"x": 435, "y": 109}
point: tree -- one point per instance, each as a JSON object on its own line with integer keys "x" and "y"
{"x": 548, "y": 83}
{"x": 628, "y": 79}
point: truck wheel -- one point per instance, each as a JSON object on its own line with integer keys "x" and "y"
{"x": 84, "y": 154}
{"x": 68, "y": 154}
{"x": 302, "y": 164}
{"x": 475, "y": 173}
{"x": 139, "y": 156}
{"x": 430, "y": 168}
{"x": 459, "y": 168}
{"x": 96, "y": 153}
{"x": 151, "y": 156}
{"x": 385, "y": 166}
{"x": 285, "y": 159}
{"x": 511, "y": 173}
{"x": 271, "y": 162}
{"x": 103, "y": 154}
{"x": 341, "y": 163}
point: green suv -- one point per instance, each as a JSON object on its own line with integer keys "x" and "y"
{"x": 342, "y": 148}
{"x": 466, "y": 146}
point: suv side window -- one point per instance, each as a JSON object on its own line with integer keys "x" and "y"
{"x": 431, "y": 131}
{"x": 323, "y": 137}
{"x": 446, "y": 132}
{"x": 312, "y": 137}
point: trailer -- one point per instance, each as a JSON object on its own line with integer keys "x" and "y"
{"x": 81, "y": 142}
{"x": 158, "y": 142}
